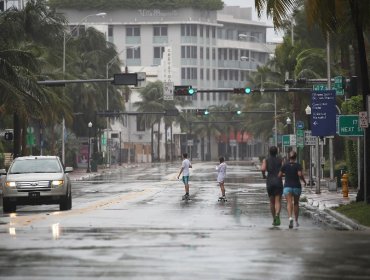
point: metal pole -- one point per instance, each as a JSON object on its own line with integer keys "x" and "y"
{"x": 358, "y": 163}
{"x": 64, "y": 71}
{"x": 331, "y": 150}
{"x": 318, "y": 166}
{"x": 88, "y": 150}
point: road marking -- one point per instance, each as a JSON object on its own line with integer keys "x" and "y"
{"x": 22, "y": 221}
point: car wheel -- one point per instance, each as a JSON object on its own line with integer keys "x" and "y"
{"x": 66, "y": 202}
{"x": 8, "y": 206}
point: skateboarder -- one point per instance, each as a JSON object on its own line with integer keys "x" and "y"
{"x": 186, "y": 164}
{"x": 221, "y": 174}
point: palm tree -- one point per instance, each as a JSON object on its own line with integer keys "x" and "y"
{"x": 22, "y": 34}
{"x": 152, "y": 101}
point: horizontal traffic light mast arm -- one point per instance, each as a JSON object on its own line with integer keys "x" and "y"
{"x": 63, "y": 82}
{"x": 231, "y": 90}
{"x": 244, "y": 112}
{"x": 202, "y": 122}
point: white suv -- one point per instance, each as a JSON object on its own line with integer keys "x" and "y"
{"x": 34, "y": 180}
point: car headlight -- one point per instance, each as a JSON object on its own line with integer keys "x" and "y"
{"x": 11, "y": 184}
{"x": 57, "y": 183}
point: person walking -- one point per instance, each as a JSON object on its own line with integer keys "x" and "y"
{"x": 274, "y": 183}
{"x": 186, "y": 164}
{"x": 221, "y": 174}
{"x": 292, "y": 186}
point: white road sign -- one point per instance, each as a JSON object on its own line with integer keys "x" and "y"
{"x": 168, "y": 90}
{"x": 363, "y": 121}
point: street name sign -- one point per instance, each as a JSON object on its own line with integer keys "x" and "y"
{"x": 323, "y": 116}
{"x": 349, "y": 126}
{"x": 362, "y": 116}
{"x": 309, "y": 140}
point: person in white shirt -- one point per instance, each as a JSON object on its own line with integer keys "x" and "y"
{"x": 186, "y": 164}
{"x": 221, "y": 174}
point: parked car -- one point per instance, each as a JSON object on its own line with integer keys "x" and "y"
{"x": 35, "y": 180}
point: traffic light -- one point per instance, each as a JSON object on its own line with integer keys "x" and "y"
{"x": 301, "y": 81}
{"x": 201, "y": 112}
{"x": 353, "y": 86}
{"x": 184, "y": 91}
{"x": 289, "y": 82}
{"x": 238, "y": 112}
{"x": 8, "y": 136}
{"x": 246, "y": 90}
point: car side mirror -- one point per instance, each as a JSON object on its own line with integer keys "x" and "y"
{"x": 68, "y": 170}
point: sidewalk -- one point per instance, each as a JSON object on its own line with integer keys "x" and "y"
{"x": 320, "y": 207}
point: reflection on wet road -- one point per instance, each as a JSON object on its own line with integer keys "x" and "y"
{"x": 134, "y": 225}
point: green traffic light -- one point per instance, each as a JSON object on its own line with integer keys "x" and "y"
{"x": 247, "y": 90}
{"x": 191, "y": 90}
{"x": 238, "y": 112}
{"x": 206, "y": 112}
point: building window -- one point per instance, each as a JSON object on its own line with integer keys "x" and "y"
{"x": 201, "y": 30}
{"x": 214, "y": 75}
{"x": 207, "y": 74}
{"x": 110, "y": 30}
{"x": 201, "y": 73}
{"x": 133, "y": 31}
{"x": 160, "y": 30}
{"x": 189, "y": 30}
{"x": 213, "y": 32}
{"x": 140, "y": 123}
{"x": 158, "y": 52}
{"x": 207, "y": 31}
{"x": 207, "y": 53}
{"x": 201, "y": 55}
{"x": 189, "y": 52}
{"x": 133, "y": 53}
{"x": 213, "y": 54}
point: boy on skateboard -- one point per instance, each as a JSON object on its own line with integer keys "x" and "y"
{"x": 221, "y": 174}
{"x": 186, "y": 164}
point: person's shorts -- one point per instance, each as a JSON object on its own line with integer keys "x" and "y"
{"x": 293, "y": 191}
{"x": 185, "y": 179}
{"x": 274, "y": 190}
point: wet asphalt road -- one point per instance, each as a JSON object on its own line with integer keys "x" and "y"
{"x": 134, "y": 225}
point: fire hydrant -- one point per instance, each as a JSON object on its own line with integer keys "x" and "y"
{"x": 345, "y": 185}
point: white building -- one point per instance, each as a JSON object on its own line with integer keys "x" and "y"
{"x": 209, "y": 50}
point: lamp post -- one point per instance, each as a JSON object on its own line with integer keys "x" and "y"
{"x": 65, "y": 40}
{"x": 308, "y": 114}
{"x": 89, "y": 126}
{"x": 288, "y": 124}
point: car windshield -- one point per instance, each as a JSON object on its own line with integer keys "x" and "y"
{"x": 35, "y": 166}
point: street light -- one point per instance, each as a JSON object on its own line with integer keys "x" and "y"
{"x": 65, "y": 40}
{"x": 288, "y": 123}
{"x": 89, "y": 126}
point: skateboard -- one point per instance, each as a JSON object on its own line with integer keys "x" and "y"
{"x": 185, "y": 198}
{"x": 222, "y": 199}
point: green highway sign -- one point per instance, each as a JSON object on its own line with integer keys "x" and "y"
{"x": 300, "y": 138}
{"x": 338, "y": 86}
{"x": 348, "y": 125}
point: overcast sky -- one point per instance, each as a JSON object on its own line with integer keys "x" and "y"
{"x": 271, "y": 35}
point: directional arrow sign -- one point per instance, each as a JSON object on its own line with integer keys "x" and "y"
{"x": 323, "y": 117}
